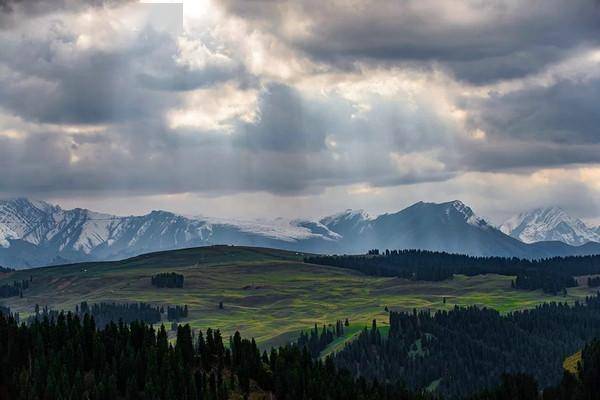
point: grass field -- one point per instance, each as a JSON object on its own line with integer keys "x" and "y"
{"x": 571, "y": 363}
{"x": 268, "y": 294}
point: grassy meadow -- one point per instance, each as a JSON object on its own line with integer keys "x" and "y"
{"x": 268, "y": 294}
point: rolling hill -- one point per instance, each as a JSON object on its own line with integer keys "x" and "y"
{"x": 268, "y": 294}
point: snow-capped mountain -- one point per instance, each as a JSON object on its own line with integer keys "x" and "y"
{"x": 353, "y": 227}
{"x": 549, "y": 224}
{"x": 451, "y": 227}
{"x": 34, "y": 233}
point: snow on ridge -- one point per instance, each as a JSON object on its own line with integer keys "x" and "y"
{"x": 550, "y": 223}
{"x": 5, "y": 234}
{"x": 470, "y": 217}
{"x": 346, "y": 215}
{"x": 279, "y": 228}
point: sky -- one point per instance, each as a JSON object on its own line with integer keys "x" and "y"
{"x": 263, "y": 108}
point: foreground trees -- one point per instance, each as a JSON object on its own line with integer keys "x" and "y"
{"x": 67, "y": 357}
{"x": 465, "y": 350}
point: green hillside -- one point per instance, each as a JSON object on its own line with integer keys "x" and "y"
{"x": 268, "y": 294}
{"x": 571, "y": 363}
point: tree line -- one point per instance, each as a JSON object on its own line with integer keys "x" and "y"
{"x": 66, "y": 356}
{"x": 104, "y": 313}
{"x": 582, "y": 385}
{"x": 465, "y": 350}
{"x": 14, "y": 289}
{"x": 70, "y": 357}
{"x": 593, "y": 281}
{"x": 176, "y": 313}
{"x": 167, "y": 280}
{"x": 552, "y": 275}
{"x": 317, "y": 340}
{"x": 5, "y": 270}
{"x": 550, "y": 283}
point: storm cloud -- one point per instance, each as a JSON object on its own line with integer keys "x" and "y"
{"x": 477, "y": 41}
{"x": 300, "y": 99}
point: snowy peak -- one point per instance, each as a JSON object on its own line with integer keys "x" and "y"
{"x": 451, "y": 212}
{"x": 49, "y": 232}
{"x": 348, "y": 216}
{"x": 21, "y": 218}
{"x": 348, "y": 224}
{"x": 549, "y": 224}
{"x": 35, "y": 233}
{"x": 466, "y": 212}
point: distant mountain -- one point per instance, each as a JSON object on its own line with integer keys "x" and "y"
{"x": 354, "y": 228}
{"x": 451, "y": 227}
{"x": 34, "y": 233}
{"x": 549, "y": 224}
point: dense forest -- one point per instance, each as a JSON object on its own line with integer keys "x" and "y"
{"x": 465, "y": 350}
{"x": 553, "y": 275}
{"x": 584, "y": 385}
{"x": 593, "y": 281}
{"x": 176, "y": 313}
{"x": 65, "y": 356}
{"x": 104, "y": 313}
{"x": 14, "y": 289}
{"x": 316, "y": 340}
{"x": 167, "y": 280}
{"x": 68, "y": 357}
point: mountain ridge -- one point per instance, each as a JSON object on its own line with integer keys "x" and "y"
{"x": 35, "y": 233}
{"x": 549, "y": 224}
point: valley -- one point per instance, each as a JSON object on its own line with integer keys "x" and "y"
{"x": 267, "y": 294}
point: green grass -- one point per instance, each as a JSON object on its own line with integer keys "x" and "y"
{"x": 350, "y": 333}
{"x": 571, "y": 363}
{"x": 268, "y": 294}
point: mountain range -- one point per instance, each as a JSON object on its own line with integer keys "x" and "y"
{"x": 35, "y": 233}
{"x": 551, "y": 223}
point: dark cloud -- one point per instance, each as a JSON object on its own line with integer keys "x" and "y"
{"x": 284, "y": 151}
{"x": 303, "y": 140}
{"x": 564, "y": 113}
{"x": 12, "y": 12}
{"x": 286, "y": 123}
{"x": 535, "y": 127}
{"x": 44, "y": 6}
{"x": 527, "y": 156}
{"x": 52, "y": 80}
{"x": 477, "y": 41}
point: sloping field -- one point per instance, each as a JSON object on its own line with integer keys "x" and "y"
{"x": 268, "y": 294}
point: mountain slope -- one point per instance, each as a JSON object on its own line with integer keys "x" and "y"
{"x": 35, "y": 233}
{"x": 549, "y": 224}
{"x": 451, "y": 227}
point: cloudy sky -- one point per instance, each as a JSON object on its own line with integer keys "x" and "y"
{"x": 250, "y": 108}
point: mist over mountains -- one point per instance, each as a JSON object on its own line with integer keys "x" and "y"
{"x": 35, "y": 233}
